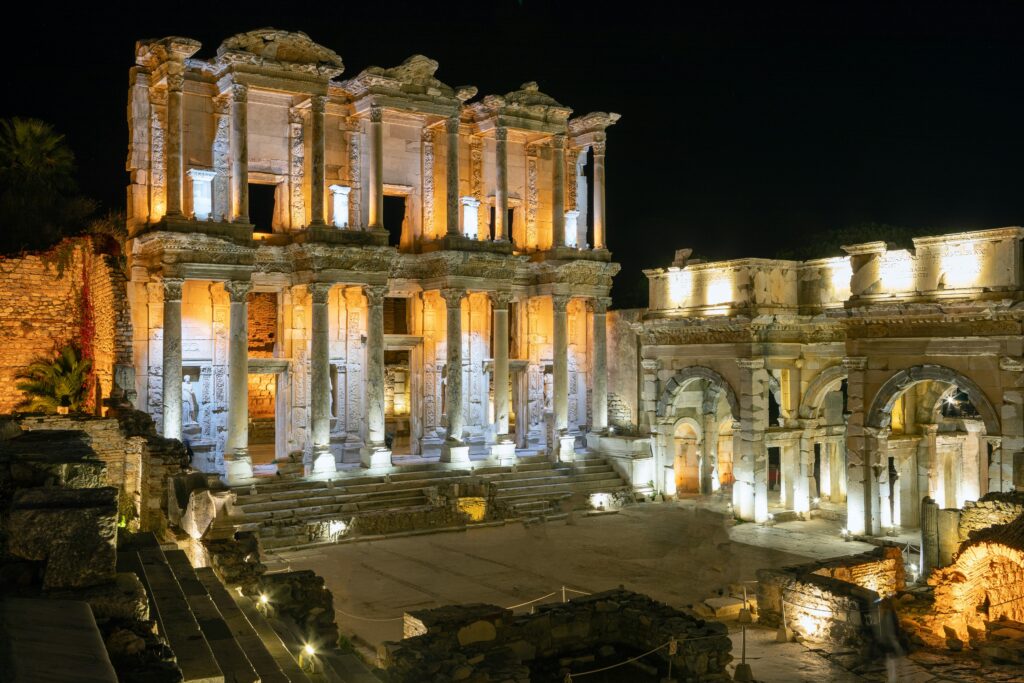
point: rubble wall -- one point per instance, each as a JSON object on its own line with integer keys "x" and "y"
{"x": 990, "y": 510}
{"x": 41, "y": 312}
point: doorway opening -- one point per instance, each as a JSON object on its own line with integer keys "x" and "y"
{"x": 262, "y": 417}
{"x": 394, "y": 218}
{"x": 397, "y": 401}
{"x": 262, "y": 205}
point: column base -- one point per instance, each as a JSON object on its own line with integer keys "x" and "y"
{"x": 566, "y": 448}
{"x": 455, "y": 452}
{"x": 238, "y": 467}
{"x": 504, "y": 450}
{"x": 323, "y": 461}
{"x": 375, "y": 457}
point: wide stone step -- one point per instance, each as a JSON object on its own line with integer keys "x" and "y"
{"x": 267, "y": 668}
{"x": 230, "y": 657}
{"x": 177, "y": 623}
{"x": 332, "y": 504}
{"x": 275, "y": 646}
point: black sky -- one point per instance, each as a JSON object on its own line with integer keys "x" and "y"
{"x": 745, "y": 129}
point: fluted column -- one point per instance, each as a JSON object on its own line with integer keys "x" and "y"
{"x": 454, "y": 450}
{"x": 320, "y": 380}
{"x": 375, "y": 452}
{"x": 501, "y": 230}
{"x": 558, "y": 191}
{"x": 236, "y": 451}
{"x": 240, "y": 152}
{"x": 319, "y": 176}
{"x": 599, "y": 390}
{"x": 172, "y": 357}
{"x": 499, "y": 306}
{"x": 175, "y": 169}
{"x": 599, "y": 199}
{"x": 451, "y": 127}
{"x": 376, "y": 209}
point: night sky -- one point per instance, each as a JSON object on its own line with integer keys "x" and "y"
{"x": 745, "y": 130}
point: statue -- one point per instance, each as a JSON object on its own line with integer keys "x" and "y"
{"x": 189, "y": 404}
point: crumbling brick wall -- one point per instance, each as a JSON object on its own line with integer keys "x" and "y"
{"x": 262, "y": 324}
{"x": 41, "y": 312}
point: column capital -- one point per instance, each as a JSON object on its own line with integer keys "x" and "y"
{"x": 599, "y": 304}
{"x": 238, "y": 289}
{"x": 855, "y": 363}
{"x": 222, "y": 104}
{"x": 376, "y": 113}
{"x": 750, "y": 363}
{"x": 295, "y": 115}
{"x": 501, "y": 134}
{"x": 172, "y": 288}
{"x": 451, "y": 125}
{"x": 427, "y": 135}
{"x": 928, "y": 429}
{"x": 318, "y": 103}
{"x": 599, "y": 147}
{"x": 175, "y": 82}
{"x": 374, "y": 295}
{"x": 239, "y": 92}
{"x": 452, "y": 296}
{"x": 560, "y": 302}
{"x": 500, "y": 300}
{"x": 558, "y": 141}
{"x": 319, "y": 291}
{"x": 650, "y": 364}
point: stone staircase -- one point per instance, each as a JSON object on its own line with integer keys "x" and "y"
{"x": 283, "y": 510}
{"x": 215, "y": 635}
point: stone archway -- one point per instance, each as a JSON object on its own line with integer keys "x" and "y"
{"x": 717, "y": 387}
{"x": 824, "y": 383}
{"x": 879, "y": 415}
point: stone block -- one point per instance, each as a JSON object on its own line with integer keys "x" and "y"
{"x": 73, "y": 530}
{"x": 476, "y": 632}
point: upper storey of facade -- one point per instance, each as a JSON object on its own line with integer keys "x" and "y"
{"x": 958, "y": 272}
{"x": 267, "y": 140}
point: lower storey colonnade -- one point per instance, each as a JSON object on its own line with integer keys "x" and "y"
{"x": 346, "y": 371}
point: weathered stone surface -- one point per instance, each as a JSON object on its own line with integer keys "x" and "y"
{"x": 73, "y": 530}
{"x": 125, "y": 598}
{"x": 51, "y": 458}
{"x": 486, "y": 642}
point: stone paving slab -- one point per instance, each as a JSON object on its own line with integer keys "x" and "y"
{"x": 32, "y": 631}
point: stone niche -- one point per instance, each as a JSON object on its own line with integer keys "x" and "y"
{"x": 487, "y": 642}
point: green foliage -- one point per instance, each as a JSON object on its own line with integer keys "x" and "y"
{"x": 39, "y": 199}
{"x": 50, "y": 383}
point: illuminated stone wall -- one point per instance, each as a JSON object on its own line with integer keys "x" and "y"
{"x": 623, "y": 363}
{"x": 40, "y": 313}
{"x": 262, "y": 311}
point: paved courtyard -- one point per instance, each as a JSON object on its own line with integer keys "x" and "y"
{"x": 676, "y": 553}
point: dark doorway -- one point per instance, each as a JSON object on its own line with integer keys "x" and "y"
{"x": 774, "y": 465}
{"x": 510, "y": 215}
{"x": 817, "y": 471}
{"x": 394, "y": 218}
{"x": 261, "y": 207}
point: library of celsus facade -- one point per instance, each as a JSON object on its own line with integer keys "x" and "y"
{"x": 360, "y": 268}
{"x": 861, "y": 383}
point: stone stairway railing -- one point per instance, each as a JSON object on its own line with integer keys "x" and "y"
{"x": 285, "y": 511}
{"x": 214, "y": 636}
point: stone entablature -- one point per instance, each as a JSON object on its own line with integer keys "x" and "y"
{"x": 948, "y": 269}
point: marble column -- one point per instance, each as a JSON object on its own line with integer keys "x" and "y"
{"x": 750, "y": 490}
{"x": 375, "y": 453}
{"x": 501, "y": 230}
{"x": 454, "y": 449}
{"x": 558, "y": 191}
{"x": 708, "y": 454}
{"x": 927, "y": 463}
{"x": 451, "y": 127}
{"x": 237, "y": 463}
{"x": 499, "y": 306}
{"x": 562, "y": 448}
{"x": 599, "y": 390}
{"x": 318, "y": 179}
{"x": 172, "y": 358}
{"x": 240, "y": 152}
{"x": 320, "y": 379}
{"x": 878, "y": 502}
{"x": 175, "y": 167}
{"x": 599, "y": 198}
{"x": 376, "y": 208}
{"x": 802, "y": 493}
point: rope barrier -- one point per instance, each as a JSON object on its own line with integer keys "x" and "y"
{"x": 353, "y": 616}
{"x": 530, "y": 602}
{"x": 671, "y": 644}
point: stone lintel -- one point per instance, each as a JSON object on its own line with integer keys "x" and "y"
{"x": 332, "y": 235}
